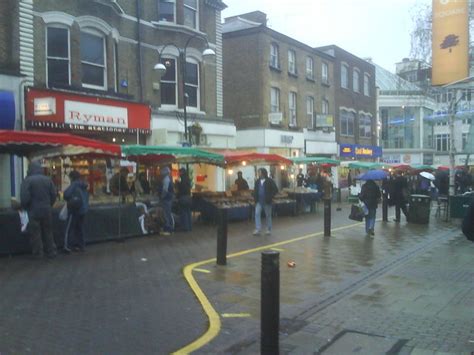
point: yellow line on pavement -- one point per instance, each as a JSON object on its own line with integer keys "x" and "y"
{"x": 203, "y": 270}
{"x": 235, "y": 315}
{"x": 277, "y": 249}
{"x": 213, "y": 316}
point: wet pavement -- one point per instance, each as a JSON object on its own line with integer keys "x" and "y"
{"x": 409, "y": 290}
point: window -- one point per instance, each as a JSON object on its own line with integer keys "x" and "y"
{"x": 347, "y": 123}
{"x": 190, "y": 13}
{"x": 325, "y": 73}
{"x": 291, "y": 62}
{"x": 168, "y": 82}
{"x": 309, "y": 68}
{"x": 355, "y": 80}
{"x": 366, "y": 85}
{"x": 442, "y": 142}
{"x": 167, "y": 10}
{"x": 192, "y": 84}
{"x": 464, "y": 140}
{"x": 344, "y": 76}
{"x": 93, "y": 61}
{"x": 292, "y": 108}
{"x": 310, "y": 111}
{"x": 274, "y": 56}
{"x": 365, "y": 126}
{"x": 325, "y": 107}
{"x": 275, "y": 100}
{"x": 57, "y": 56}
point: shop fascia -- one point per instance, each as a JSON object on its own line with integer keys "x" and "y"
{"x": 360, "y": 151}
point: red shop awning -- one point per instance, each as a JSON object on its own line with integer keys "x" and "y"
{"x": 252, "y": 158}
{"x": 44, "y": 145}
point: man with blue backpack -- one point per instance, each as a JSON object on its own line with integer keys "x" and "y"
{"x": 77, "y": 199}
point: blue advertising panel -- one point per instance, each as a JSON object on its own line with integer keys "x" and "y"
{"x": 7, "y": 110}
{"x": 360, "y": 151}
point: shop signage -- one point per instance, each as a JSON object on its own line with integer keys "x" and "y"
{"x": 360, "y": 151}
{"x": 45, "y": 106}
{"x": 391, "y": 159}
{"x": 95, "y": 115}
{"x": 286, "y": 139}
{"x": 323, "y": 121}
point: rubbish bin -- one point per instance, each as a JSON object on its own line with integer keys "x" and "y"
{"x": 459, "y": 204}
{"x": 419, "y": 210}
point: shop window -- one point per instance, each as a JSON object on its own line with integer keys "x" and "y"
{"x": 325, "y": 73}
{"x": 93, "y": 61}
{"x": 57, "y": 56}
{"x": 344, "y": 76}
{"x": 191, "y": 13}
{"x": 310, "y": 111}
{"x": 292, "y": 108}
{"x": 355, "y": 80}
{"x": 365, "y": 126}
{"x": 310, "y": 68}
{"x": 274, "y": 56}
{"x": 192, "y": 84}
{"x": 347, "y": 123}
{"x": 275, "y": 100}
{"x": 366, "y": 85}
{"x": 292, "y": 62}
{"x": 167, "y": 10}
{"x": 168, "y": 85}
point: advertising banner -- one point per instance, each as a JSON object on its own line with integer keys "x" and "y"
{"x": 450, "y": 41}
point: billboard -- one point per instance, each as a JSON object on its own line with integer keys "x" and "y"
{"x": 450, "y": 41}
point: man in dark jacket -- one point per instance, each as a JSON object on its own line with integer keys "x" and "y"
{"x": 400, "y": 196}
{"x": 370, "y": 195}
{"x": 183, "y": 189}
{"x": 264, "y": 191}
{"x": 38, "y": 195}
{"x": 468, "y": 222}
{"x": 166, "y": 195}
{"x": 77, "y": 198}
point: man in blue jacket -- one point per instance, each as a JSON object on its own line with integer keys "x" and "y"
{"x": 38, "y": 195}
{"x": 77, "y": 199}
{"x": 264, "y": 191}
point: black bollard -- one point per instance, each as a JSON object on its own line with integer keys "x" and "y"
{"x": 270, "y": 303}
{"x": 327, "y": 217}
{"x": 222, "y": 237}
{"x": 384, "y": 208}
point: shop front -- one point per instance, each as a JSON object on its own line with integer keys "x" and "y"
{"x": 358, "y": 152}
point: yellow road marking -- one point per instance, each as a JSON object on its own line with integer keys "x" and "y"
{"x": 203, "y": 270}
{"x": 213, "y": 316}
{"x": 277, "y": 249}
{"x": 235, "y": 315}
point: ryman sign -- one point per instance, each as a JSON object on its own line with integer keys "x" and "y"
{"x": 86, "y": 114}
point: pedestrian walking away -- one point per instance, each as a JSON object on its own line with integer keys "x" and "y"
{"x": 77, "y": 198}
{"x": 370, "y": 196}
{"x": 183, "y": 194}
{"x": 264, "y": 191}
{"x": 38, "y": 195}
{"x": 400, "y": 196}
{"x": 166, "y": 195}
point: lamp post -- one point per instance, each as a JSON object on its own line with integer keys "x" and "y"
{"x": 161, "y": 69}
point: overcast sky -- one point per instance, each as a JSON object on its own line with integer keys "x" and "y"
{"x": 379, "y": 29}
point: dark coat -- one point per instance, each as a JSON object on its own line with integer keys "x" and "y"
{"x": 270, "y": 190}
{"x": 400, "y": 190}
{"x": 78, "y": 185}
{"x": 241, "y": 184}
{"x": 183, "y": 186}
{"x": 38, "y": 192}
{"x": 468, "y": 223}
{"x": 370, "y": 194}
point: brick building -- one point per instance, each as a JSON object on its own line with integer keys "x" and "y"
{"x": 279, "y": 91}
{"x": 355, "y": 104}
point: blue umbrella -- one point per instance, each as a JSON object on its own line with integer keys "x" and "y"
{"x": 373, "y": 175}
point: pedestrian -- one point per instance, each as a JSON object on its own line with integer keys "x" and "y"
{"x": 38, "y": 195}
{"x": 349, "y": 179}
{"x": 400, "y": 196}
{"x": 241, "y": 183}
{"x": 264, "y": 191}
{"x": 468, "y": 222}
{"x": 300, "y": 180}
{"x": 119, "y": 184}
{"x": 183, "y": 194}
{"x": 77, "y": 198}
{"x": 166, "y": 195}
{"x": 370, "y": 196}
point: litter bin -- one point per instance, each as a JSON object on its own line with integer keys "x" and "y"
{"x": 459, "y": 204}
{"x": 419, "y": 210}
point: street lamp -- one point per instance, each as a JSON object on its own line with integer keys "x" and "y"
{"x": 161, "y": 69}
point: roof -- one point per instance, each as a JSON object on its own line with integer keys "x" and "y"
{"x": 238, "y": 24}
{"x": 218, "y": 4}
{"x": 388, "y": 81}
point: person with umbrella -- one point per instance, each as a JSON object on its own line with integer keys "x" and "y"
{"x": 370, "y": 196}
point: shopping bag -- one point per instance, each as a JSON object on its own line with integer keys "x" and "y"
{"x": 364, "y": 208}
{"x": 63, "y": 213}
{"x": 23, "y": 220}
{"x": 356, "y": 213}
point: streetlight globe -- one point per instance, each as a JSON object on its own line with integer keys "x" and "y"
{"x": 208, "y": 52}
{"x": 160, "y": 68}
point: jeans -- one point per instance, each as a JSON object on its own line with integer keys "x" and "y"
{"x": 258, "y": 216}
{"x": 74, "y": 235}
{"x": 168, "y": 227}
{"x": 370, "y": 220}
{"x": 41, "y": 236}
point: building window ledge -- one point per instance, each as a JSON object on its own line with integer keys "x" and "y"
{"x": 294, "y": 75}
{"x": 275, "y": 68}
{"x": 171, "y": 26}
{"x": 308, "y": 78}
{"x": 326, "y": 83}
